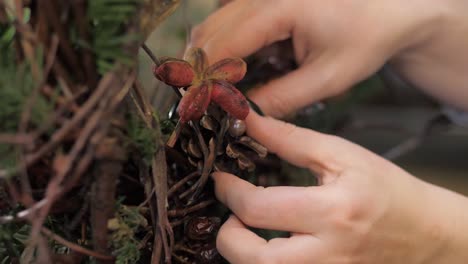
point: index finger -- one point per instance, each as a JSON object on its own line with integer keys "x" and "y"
{"x": 285, "y": 208}
{"x": 238, "y": 244}
{"x": 242, "y": 27}
{"x": 302, "y": 147}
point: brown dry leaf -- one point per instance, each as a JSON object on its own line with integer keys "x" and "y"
{"x": 153, "y": 12}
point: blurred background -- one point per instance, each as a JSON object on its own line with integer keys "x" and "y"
{"x": 383, "y": 113}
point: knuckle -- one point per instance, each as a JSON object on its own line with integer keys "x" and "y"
{"x": 348, "y": 213}
{"x": 277, "y": 103}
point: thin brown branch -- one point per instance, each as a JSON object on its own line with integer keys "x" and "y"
{"x": 157, "y": 63}
{"x": 188, "y": 210}
{"x": 73, "y": 246}
{"x": 159, "y": 173}
{"x": 151, "y": 54}
{"x": 79, "y": 9}
{"x": 209, "y": 155}
{"x": 98, "y": 118}
{"x": 16, "y": 139}
{"x": 181, "y": 183}
{"x": 49, "y": 10}
{"x": 84, "y": 112}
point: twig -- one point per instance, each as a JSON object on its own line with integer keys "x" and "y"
{"x": 175, "y": 135}
{"x": 201, "y": 140}
{"x": 24, "y": 214}
{"x": 159, "y": 169}
{"x": 148, "y": 198}
{"x": 73, "y": 246}
{"x": 185, "y": 249}
{"x": 26, "y": 189}
{"x": 181, "y": 183}
{"x": 178, "y": 222}
{"x": 209, "y": 156}
{"x": 79, "y": 9}
{"x": 58, "y": 136}
{"x": 180, "y": 259}
{"x": 144, "y": 240}
{"x": 151, "y": 54}
{"x": 17, "y": 139}
{"x": 54, "y": 188}
{"x": 157, "y": 62}
{"x": 159, "y": 173}
{"x": 52, "y": 14}
{"x": 188, "y": 210}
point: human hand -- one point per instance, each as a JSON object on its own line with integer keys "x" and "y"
{"x": 338, "y": 43}
{"x": 366, "y": 210}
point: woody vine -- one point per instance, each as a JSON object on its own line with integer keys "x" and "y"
{"x": 89, "y": 172}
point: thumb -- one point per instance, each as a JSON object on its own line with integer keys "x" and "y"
{"x": 302, "y": 147}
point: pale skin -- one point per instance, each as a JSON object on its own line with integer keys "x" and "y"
{"x": 366, "y": 209}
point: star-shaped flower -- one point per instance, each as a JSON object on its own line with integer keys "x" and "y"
{"x": 205, "y": 84}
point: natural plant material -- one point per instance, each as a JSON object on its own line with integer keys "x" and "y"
{"x": 79, "y": 131}
{"x": 205, "y": 84}
{"x": 108, "y": 18}
{"x": 125, "y": 225}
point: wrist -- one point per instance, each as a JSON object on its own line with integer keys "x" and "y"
{"x": 446, "y": 222}
{"x": 426, "y": 20}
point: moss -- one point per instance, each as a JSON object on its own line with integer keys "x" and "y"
{"x": 141, "y": 137}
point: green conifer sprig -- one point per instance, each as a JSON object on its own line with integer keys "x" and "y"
{"x": 108, "y": 19}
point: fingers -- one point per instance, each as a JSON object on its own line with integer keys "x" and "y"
{"x": 312, "y": 82}
{"x": 302, "y": 147}
{"x": 239, "y": 245}
{"x": 294, "y": 209}
{"x": 242, "y": 27}
{"x": 201, "y": 33}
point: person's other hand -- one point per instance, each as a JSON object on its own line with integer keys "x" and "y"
{"x": 338, "y": 43}
{"x": 366, "y": 210}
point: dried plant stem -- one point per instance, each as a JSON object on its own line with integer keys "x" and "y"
{"x": 188, "y": 210}
{"x": 157, "y": 62}
{"x": 150, "y": 54}
{"x": 158, "y": 175}
{"x": 74, "y": 246}
{"x": 181, "y": 183}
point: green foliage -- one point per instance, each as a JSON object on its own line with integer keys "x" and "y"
{"x": 126, "y": 224}
{"x": 16, "y": 86}
{"x": 13, "y": 238}
{"x": 142, "y": 137}
{"x": 6, "y": 44}
{"x": 108, "y": 19}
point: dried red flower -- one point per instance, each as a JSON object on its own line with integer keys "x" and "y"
{"x": 205, "y": 84}
{"x": 175, "y": 72}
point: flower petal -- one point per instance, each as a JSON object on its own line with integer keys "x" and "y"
{"x": 175, "y": 72}
{"x": 195, "y": 102}
{"x": 230, "y": 69}
{"x": 198, "y": 59}
{"x": 230, "y": 99}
